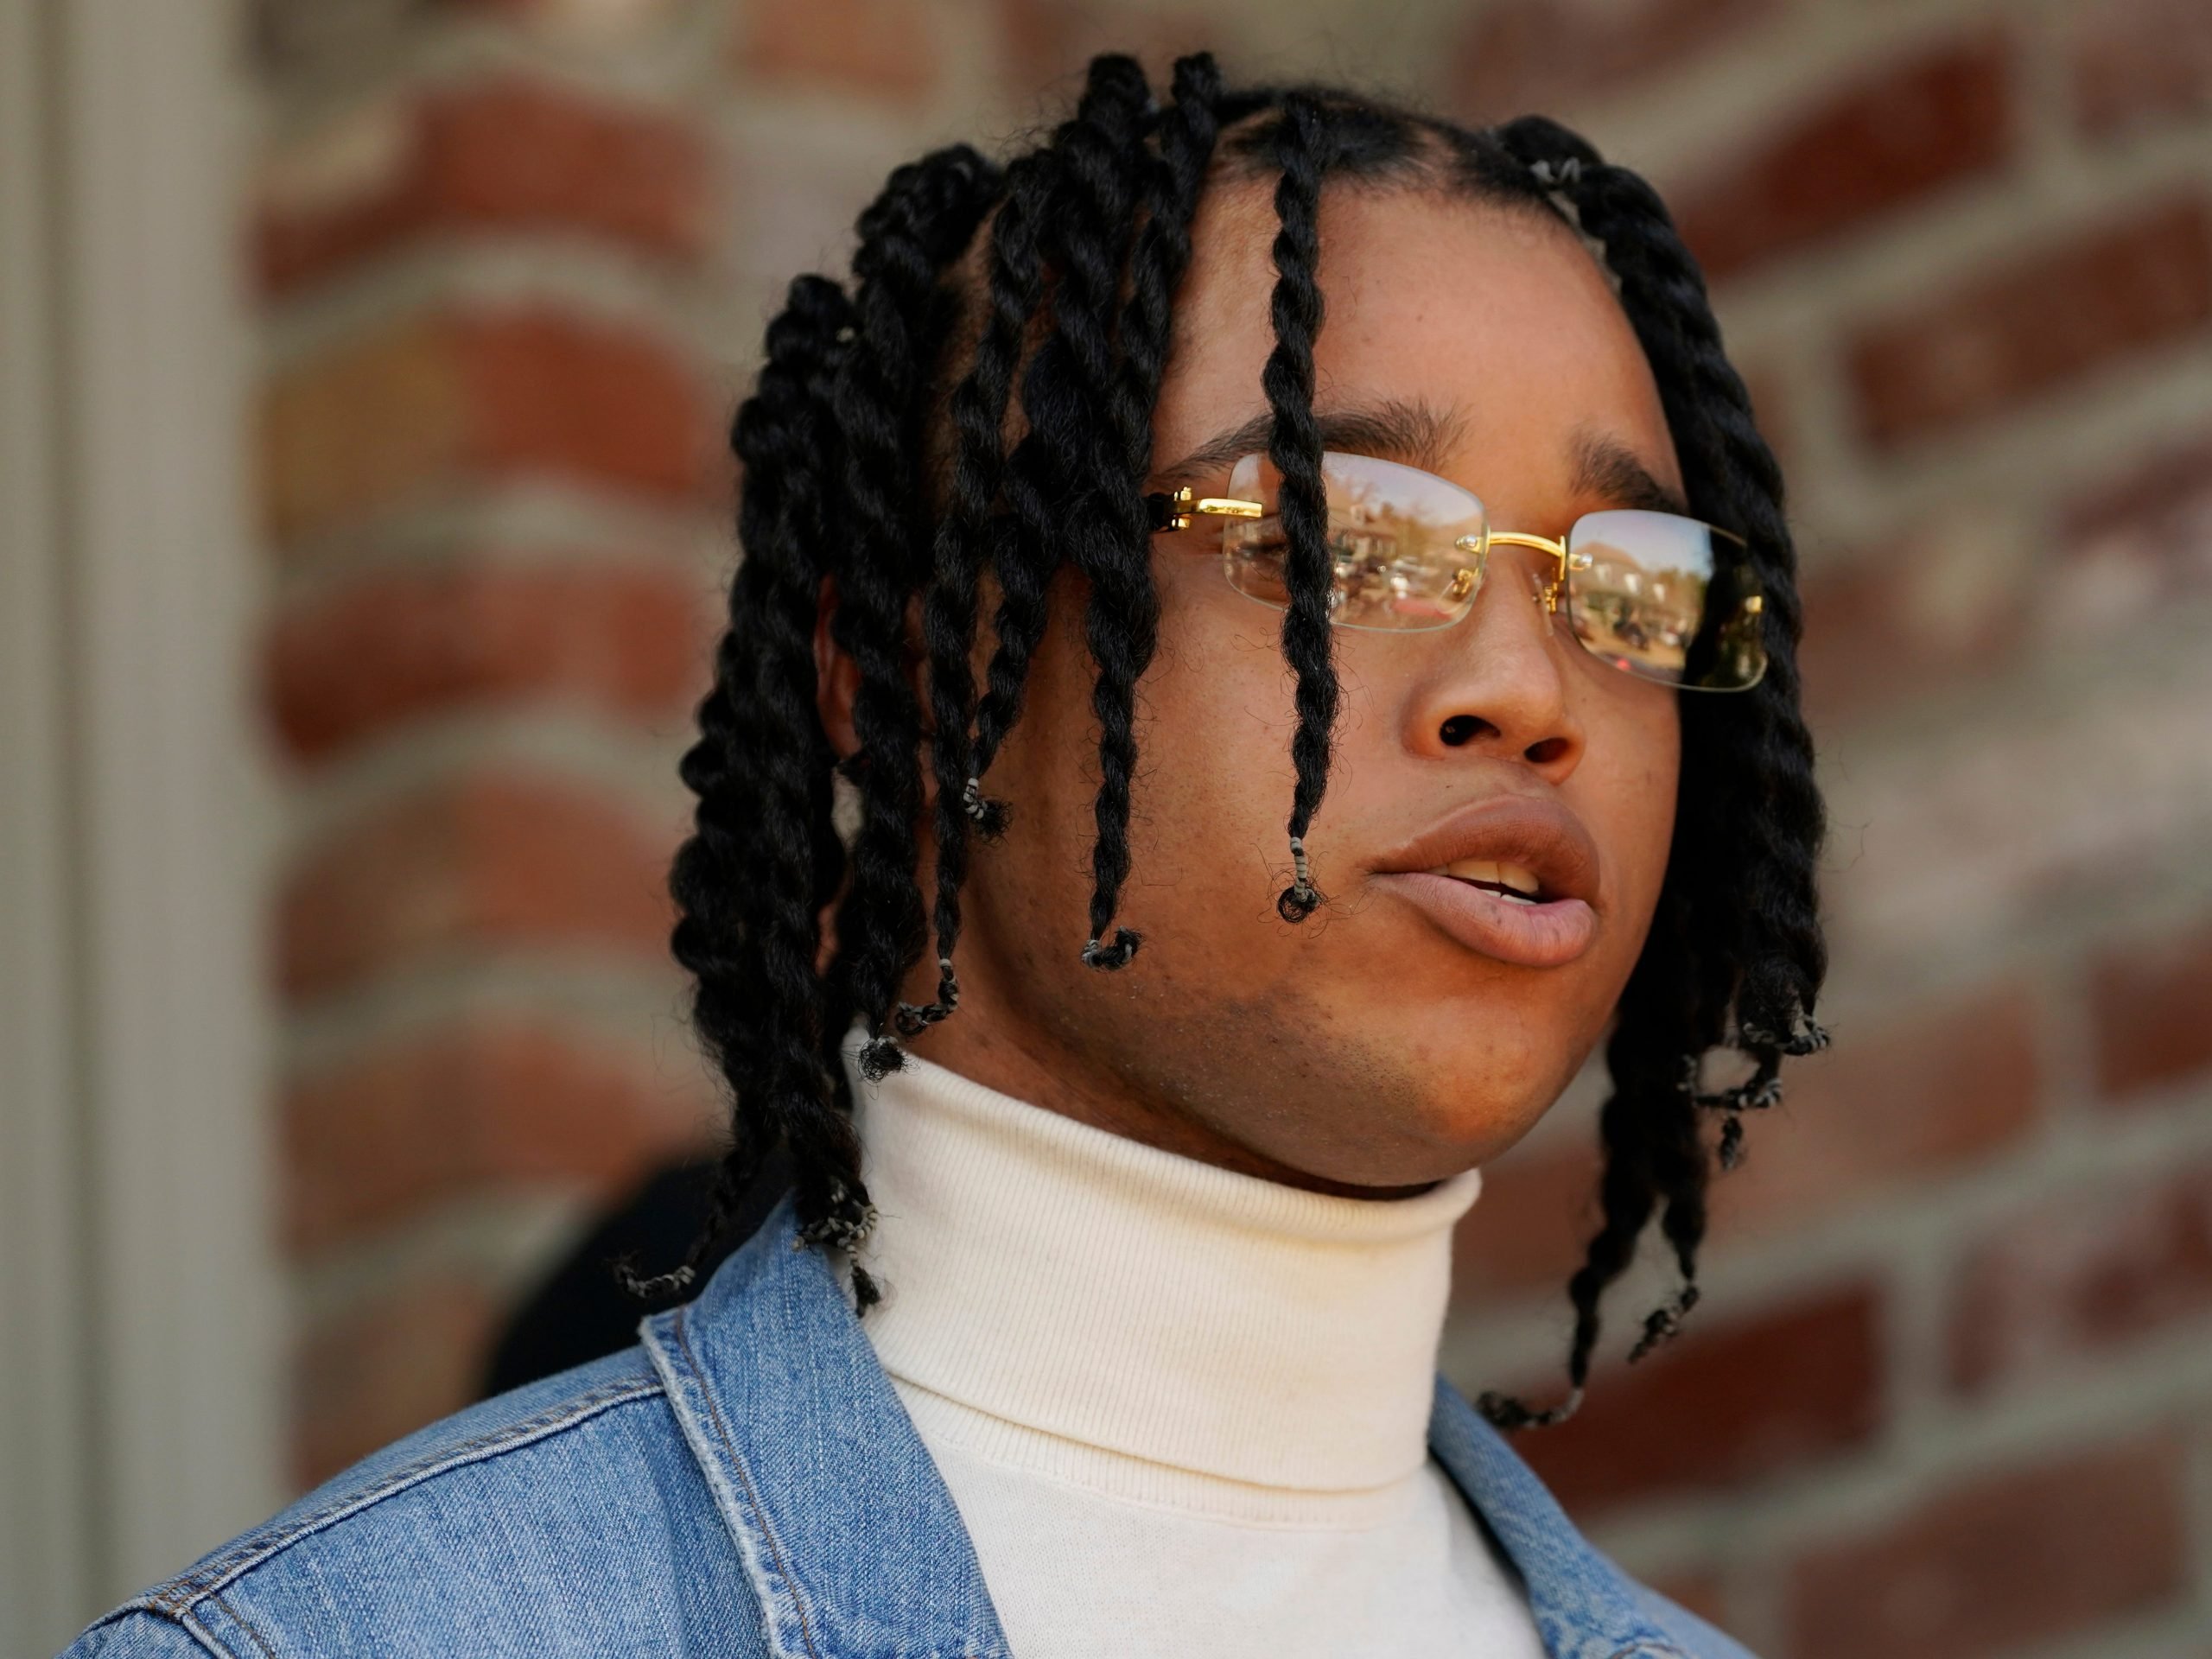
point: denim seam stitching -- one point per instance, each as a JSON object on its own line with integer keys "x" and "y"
{"x": 752, "y": 1494}
{"x": 231, "y": 1613}
{"x": 192, "y": 1627}
{"x": 180, "y": 1593}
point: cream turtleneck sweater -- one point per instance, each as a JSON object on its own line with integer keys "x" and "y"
{"x": 1181, "y": 1410}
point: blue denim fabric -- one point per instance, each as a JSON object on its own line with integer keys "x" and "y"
{"x": 744, "y": 1483}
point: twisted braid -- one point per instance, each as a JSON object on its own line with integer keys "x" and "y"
{"x": 1301, "y": 141}
{"x": 1025, "y": 565}
{"x": 978, "y": 410}
{"x": 1026, "y": 554}
{"x": 1038, "y": 471}
{"x": 1187, "y": 129}
{"x": 1073, "y": 480}
{"x": 1122, "y": 626}
{"x": 1102, "y": 522}
{"x": 1066, "y": 484}
{"x": 924, "y": 216}
{"x": 1751, "y": 822}
{"x": 1046, "y": 468}
{"x": 762, "y": 848}
{"x": 1729, "y": 467}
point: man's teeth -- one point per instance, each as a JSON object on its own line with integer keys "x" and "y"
{"x": 1521, "y": 879}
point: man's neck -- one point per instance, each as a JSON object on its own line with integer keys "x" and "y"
{"x": 1121, "y": 1300}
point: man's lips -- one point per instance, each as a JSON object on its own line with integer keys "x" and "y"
{"x": 1546, "y": 935}
{"x": 1538, "y": 834}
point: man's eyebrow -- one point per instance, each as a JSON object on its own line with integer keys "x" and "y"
{"x": 1608, "y": 469}
{"x": 1417, "y": 433}
{"x": 1420, "y": 435}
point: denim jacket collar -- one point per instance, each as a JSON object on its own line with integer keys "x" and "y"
{"x": 852, "y": 1541}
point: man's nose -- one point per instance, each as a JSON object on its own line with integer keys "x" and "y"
{"x": 1501, "y": 686}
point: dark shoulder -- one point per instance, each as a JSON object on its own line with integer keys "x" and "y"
{"x": 566, "y": 1516}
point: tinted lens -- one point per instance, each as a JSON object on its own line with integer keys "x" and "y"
{"x": 1407, "y": 546}
{"x": 1667, "y": 598}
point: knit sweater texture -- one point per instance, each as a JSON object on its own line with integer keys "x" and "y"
{"x": 1180, "y": 1409}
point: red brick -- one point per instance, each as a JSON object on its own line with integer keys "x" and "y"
{"x": 413, "y": 412}
{"x": 1891, "y": 138}
{"x": 1912, "y": 1099}
{"x": 2026, "y": 1555}
{"x": 386, "y": 1370}
{"x": 501, "y": 155}
{"x": 2131, "y": 545}
{"x": 2050, "y": 318}
{"x": 315, "y": 43}
{"x": 2083, "y": 1272}
{"x": 591, "y": 22}
{"x": 882, "y": 49}
{"x": 1949, "y": 596}
{"x": 550, "y": 393}
{"x": 1918, "y": 1098}
{"x": 1045, "y": 44}
{"x": 393, "y": 646}
{"x": 2165, "y": 500}
{"x": 476, "y": 863}
{"x": 2139, "y": 63}
{"x": 1701, "y": 1593}
{"x": 368, "y": 425}
{"x": 1547, "y": 55}
{"x": 2150, "y": 1006}
{"x": 1527, "y": 1231}
{"x": 485, "y": 1105}
{"x": 1722, "y": 1406}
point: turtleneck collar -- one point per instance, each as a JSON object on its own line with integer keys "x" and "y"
{"x": 1072, "y": 1282}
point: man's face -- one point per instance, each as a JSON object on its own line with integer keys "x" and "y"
{"x": 1366, "y": 1048}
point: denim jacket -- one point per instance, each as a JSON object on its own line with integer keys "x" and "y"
{"x": 744, "y": 1481}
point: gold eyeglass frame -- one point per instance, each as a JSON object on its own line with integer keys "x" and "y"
{"x": 1174, "y": 510}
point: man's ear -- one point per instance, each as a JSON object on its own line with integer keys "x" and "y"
{"x": 836, "y": 677}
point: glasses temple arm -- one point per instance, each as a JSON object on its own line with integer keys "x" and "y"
{"x": 1172, "y": 509}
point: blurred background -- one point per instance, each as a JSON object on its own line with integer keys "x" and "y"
{"x": 364, "y": 365}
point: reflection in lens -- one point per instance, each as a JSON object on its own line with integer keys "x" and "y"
{"x": 1395, "y": 536}
{"x": 1651, "y": 601}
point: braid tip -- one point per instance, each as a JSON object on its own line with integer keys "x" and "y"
{"x": 1503, "y": 1411}
{"x": 1664, "y": 1323}
{"x": 1116, "y": 955}
{"x": 989, "y": 816}
{"x": 842, "y": 1229}
{"x": 1761, "y": 1093}
{"x": 1806, "y": 1036}
{"x": 866, "y": 1292}
{"x": 839, "y": 1231}
{"x": 879, "y": 1056}
{"x": 649, "y": 1286}
{"x": 1302, "y": 898}
{"x": 912, "y": 1019}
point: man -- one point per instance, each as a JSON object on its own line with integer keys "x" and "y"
{"x": 1269, "y": 443}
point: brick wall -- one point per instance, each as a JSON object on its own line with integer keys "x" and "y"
{"x": 1948, "y": 1394}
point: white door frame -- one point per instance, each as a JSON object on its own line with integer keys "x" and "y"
{"x": 141, "y": 1319}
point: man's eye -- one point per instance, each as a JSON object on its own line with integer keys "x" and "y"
{"x": 1263, "y": 537}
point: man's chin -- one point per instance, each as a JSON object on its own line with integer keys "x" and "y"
{"x": 1400, "y": 1155}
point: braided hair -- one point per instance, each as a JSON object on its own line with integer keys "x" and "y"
{"x": 977, "y": 402}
